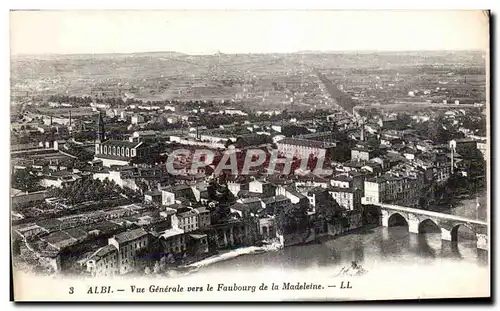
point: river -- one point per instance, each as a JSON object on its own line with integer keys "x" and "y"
{"x": 367, "y": 246}
{"x": 373, "y": 248}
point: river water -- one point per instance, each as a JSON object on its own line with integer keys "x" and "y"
{"x": 374, "y": 248}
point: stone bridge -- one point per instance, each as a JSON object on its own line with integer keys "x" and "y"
{"x": 447, "y": 223}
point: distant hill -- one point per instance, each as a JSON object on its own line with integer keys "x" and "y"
{"x": 79, "y": 73}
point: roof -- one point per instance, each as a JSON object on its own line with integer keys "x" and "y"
{"x": 121, "y": 143}
{"x": 342, "y": 177}
{"x": 146, "y": 133}
{"x": 131, "y": 235}
{"x": 278, "y": 198}
{"x": 188, "y": 213}
{"x": 250, "y": 200}
{"x": 171, "y": 232}
{"x": 76, "y": 233}
{"x": 340, "y": 189}
{"x": 316, "y": 190}
{"x": 304, "y": 142}
{"x": 59, "y": 239}
{"x": 49, "y": 223}
{"x": 294, "y": 192}
{"x": 153, "y": 193}
{"x": 180, "y": 187}
{"x": 202, "y": 209}
{"x": 112, "y": 157}
{"x": 198, "y": 236}
{"x": 383, "y": 178}
{"x": 103, "y": 251}
{"x": 16, "y": 192}
{"x": 239, "y": 207}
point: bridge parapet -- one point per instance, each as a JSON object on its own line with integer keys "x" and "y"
{"x": 448, "y": 224}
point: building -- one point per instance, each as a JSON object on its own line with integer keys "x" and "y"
{"x": 104, "y": 262}
{"x": 267, "y": 228}
{"x": 129, "y": 244}
{"x": 203, "y": 217}
{"x": 362, "y": 153}
{"x": 303, "y": 148}
{"x": 392, "y": 124}
{"x": 137, "y": 119}
{"x": 274, "y": 204}
{"x": 186, "y": 219}
{"x": 262, "y": 186}
{"x": 398, "y": 190}
{"x": 118, "y": 152}
{"x": 173, "y": 241}
{"x": 153, "y": 197}
{"x": 139, "y": 136}
{"x": 291, "y": 193}
{"x": 254, "y": 203}
{"x": 172, "y": 193}
{"x": 348, "y": 198}
{"x": 197, "y": 244}
{"x": 341, "y": 181}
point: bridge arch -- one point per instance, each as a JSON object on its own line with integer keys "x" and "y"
{"x": 469, "y": 233}
{"x": 397, "y": 219}
{"x": 428, "y": 225}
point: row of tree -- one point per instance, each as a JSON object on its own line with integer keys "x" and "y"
{"x": 86, "y": 189}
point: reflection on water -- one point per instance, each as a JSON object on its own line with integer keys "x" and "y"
{"x": 370, "y": 246}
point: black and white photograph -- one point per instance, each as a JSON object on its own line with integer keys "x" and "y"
{"x": 249, "y": 155}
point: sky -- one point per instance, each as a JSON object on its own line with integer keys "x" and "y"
{"x": 207, "y": 32}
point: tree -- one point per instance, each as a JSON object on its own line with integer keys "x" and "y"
{"x": 327, "y": 207}
{"x": 26, "y": 181}
{"x": 292, "y": 218}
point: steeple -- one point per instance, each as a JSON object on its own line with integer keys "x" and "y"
{"x": 100, "y": 128}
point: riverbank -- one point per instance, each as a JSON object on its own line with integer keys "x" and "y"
{"x": 230, "y": 254}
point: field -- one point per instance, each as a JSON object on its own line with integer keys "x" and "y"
{"x": 255, "y": 80}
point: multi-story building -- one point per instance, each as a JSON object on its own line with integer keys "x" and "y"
{"x": 173, "y": 240}
{"x": 104, "y": 262}
{"x": 274, "y": 204}
{"x": 397, "y": 190}
{"x": 197, "y": 244}
{"x": 348, "y": 198}
{"x": 292, "y": 193}
{"x": 129, "y": 244}
{"x": 203, "y": 217}
{"x": 171, "y": 194}
{"x": 186, "y": 219}
{"x": 153, "y": 197}
{"x": 303, "y": 148}
{"x": 262, "y": 186}
{"x": 362, "y": 153}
